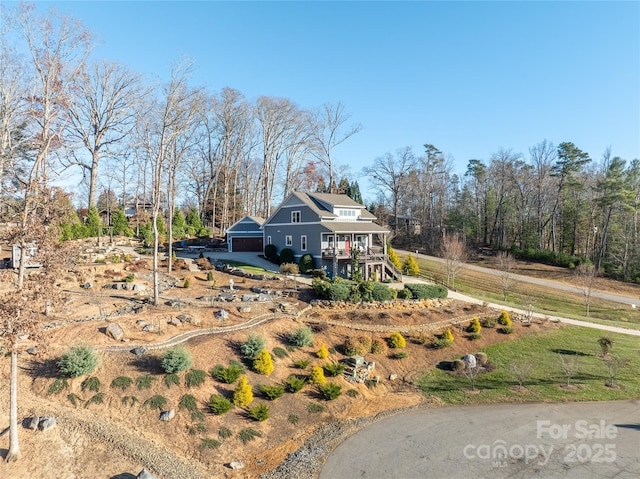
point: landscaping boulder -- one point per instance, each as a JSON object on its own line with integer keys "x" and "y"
{"x": 470, "y": 361}
{"x": 115, "y": 331}
{"x": 139, "y": 351}
{"x": 139, "y": 287}
{"x": 144, "y": 474}
{"x": 222, "y": 314}
{"x": 46, "y": 423}
{"x": 167, "y": 415}
{"x": 87, "y": 285}
{"x": 32, "y": 423}
{"x": 33, "y": 350}
{"x": 236, "y": 465}
{"x": 244, "y": 309}
{"x": 148, "y": 328}
{"x": 175, "y": 322}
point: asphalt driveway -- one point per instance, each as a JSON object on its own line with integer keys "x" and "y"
{"x": 564, "y": 440}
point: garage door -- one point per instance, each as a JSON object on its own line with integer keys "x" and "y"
{"x": 247, "y": 244}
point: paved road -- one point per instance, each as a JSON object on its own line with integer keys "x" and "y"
{"x": 565, "y": 440}
{"x": 618, "y": 298}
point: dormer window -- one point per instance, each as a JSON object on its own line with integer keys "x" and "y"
{"x": 347, "y": 213}
{"x": 295, "y": 217}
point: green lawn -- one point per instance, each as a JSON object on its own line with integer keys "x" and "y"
{"x": 545, "y": 300}
{"x": 543, "y": 350}
{"x": 246, "y": 267}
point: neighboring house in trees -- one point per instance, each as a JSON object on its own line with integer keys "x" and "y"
{"x": 245, "y": 235}
{"x": 335, "y": 230}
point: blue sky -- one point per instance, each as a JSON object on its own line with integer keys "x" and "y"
{"x": 467, "y": 77}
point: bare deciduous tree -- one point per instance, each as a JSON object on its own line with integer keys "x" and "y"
{"x": 102, "y": 113}
{"x": 507, "y": 267}
{"x": 614, "y": 364}
{"x": 586, "y": 278}
{"x": 568, "y": 365}
{"x": 454, "y": 253}
{"x": 521, "y": 370}
{"x": 26, "y": 302}
{"x": 390, "y": 175}
{"x": 330, "y": 130}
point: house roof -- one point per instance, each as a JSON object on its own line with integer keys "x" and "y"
{"x": 255, "y": 219}
{"x": 323, "y": 203}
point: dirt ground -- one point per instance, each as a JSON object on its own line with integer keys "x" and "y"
{"x": 114, "y": 439}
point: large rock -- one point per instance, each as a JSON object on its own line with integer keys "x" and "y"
{"x": 222, "y": 314}
{"x": 139, "y": 351}
{"x": 32, "y": 423}
{"x": 139, "y": 287}
{"x": 236, "y": 465}
{"x": 167, "y": 415}
{"x": 144, "y": 474}
{"x": 46, "y": 423}
{"x": 470, "y": 361}
{"x": 115, "y": 331}
{"x": 149, "y": 328}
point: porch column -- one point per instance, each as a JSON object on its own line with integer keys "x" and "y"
{"x": 335, "y": 255}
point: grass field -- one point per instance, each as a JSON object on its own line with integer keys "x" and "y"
{"x": 545, "y": 300}
{"x": 546, "y": 381}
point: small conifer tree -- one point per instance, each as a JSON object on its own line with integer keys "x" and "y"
{"x": 323, "y": 352}
{"x": 317, "y": 375}
{"x": 410, "y": 266}
{"x": 263, "y": 363}
{"x": 393, "y": 257}
{"x": 243, "y": 395}
{"x": 474, "y": 326}
{"x": 448, "y": 335}
{"x": 504, "y": 318}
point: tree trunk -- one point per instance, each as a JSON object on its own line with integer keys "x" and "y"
{"x": 156, "y": 241}
{"x": 14, "y": 447}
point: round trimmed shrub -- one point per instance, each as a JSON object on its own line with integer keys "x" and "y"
{"x": 457, "y": 365}
{"x": 396, "y": 340}
{"x": 382, "y": 292}
{"x": 481, "y": 358}
{"x": 306, "y": 263}
{"x": 339, "y": 291}
{"x": 271, "y": 253}
{"x": 176, "y": 359}
{"x": 378, "y": 346}
{"x": 405, "y": 294}
{"x": 80, "y": 360}
{"x": 286, "y": 256}
{"x": 303, "y": 336}
{"x": 253, "y": 345}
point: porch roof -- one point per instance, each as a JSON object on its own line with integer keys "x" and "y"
{"x": 344, "y": 227}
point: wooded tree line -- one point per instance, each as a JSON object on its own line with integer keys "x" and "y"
{"x": 554, "y": 204}
{"x": 151, "y": 143}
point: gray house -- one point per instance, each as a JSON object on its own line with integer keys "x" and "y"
{"x": 245, "y": 235}
{"x": 335, "y": 230}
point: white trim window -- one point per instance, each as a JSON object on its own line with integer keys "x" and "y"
{"x": 303, "y": 242}
{"x": 268, "y": 239}
{"x": 288, "y": 240}
{"x": 296, "y": 216}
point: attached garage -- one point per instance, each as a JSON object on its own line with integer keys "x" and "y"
{"x": 246, "y": 244}
{"x": 246, "y": 235}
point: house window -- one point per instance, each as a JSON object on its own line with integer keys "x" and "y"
{"x": 288, "y": 240}
{"x": 295, "y": 217}
{"x": 268, "y": 239}
{"x": 303, "y": 242}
